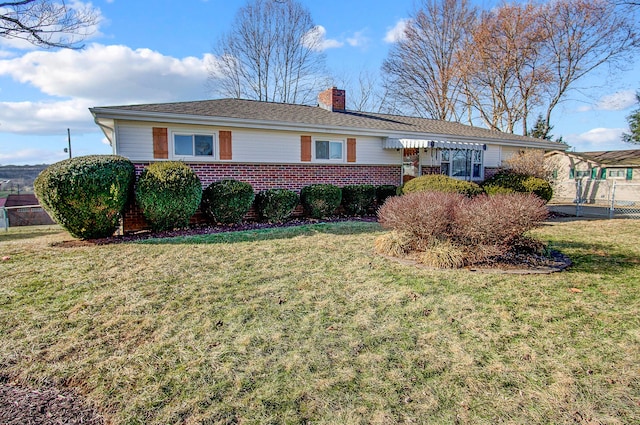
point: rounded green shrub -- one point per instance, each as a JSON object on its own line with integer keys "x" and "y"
{"x": 493, "y": 189}
{"x": 87, "y": 194}
{"x": 511, "y": 182}
{"x": 539, "y": 187}
{"x": 384, "y": 191}
{"x": 275, "y": 205}
{"x": 320, "y": 200}
{"x": 168, "y": 193}
{"x": 358, "y": 199}
{"x": 227, "y": 201}
{"x": 440, "y": 183}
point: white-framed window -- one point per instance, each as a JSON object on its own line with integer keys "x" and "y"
{"x": 329, "y": 150}
{"x": 617, "y": 174}
{"x": 188, "y": 144}
{"x": 461, "y": 163}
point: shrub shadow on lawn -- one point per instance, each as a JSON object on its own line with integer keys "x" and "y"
{"x": 596, "y": 257}
{"x": 15, "y": 235}
{"x": 229, "y": 235}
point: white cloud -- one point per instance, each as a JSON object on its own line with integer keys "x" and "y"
{"x": 96, "y": 76}
{"x": 46, "y": 117}
{"x": 31, "y": 156}
{"x": 358, "y": 39}
{"x": 598, "y": 139}
{"x": 316, "y": 39}
{"x": 396, "y": 33}
{"x": 617, "y": 101}
{"x": 111, "y": 74}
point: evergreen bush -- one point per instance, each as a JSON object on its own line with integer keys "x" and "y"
{"x": 358, "y": 199}
{"x": 87, "y": 194}
{"x": 320, "y": 200}
{"x": 440, "y": 183}
{"x": 509, "y": 182}
{"x": 168, "y": 193}
{"x": 227, "y": 201}
{"x": 275, "y": 205}
{"x": 385, "y": 191}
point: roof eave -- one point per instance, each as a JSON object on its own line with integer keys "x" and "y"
{"x": 119, "y": 114}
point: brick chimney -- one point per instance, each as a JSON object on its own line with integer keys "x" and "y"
{"x": 332, "y": 99}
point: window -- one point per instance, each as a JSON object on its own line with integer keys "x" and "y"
{"x": 192, "y": 144}
{"x": 461, "y": 163}
{"x": 329, "y": 150}
{"x": 578, "y": 174}
{"x": 617, "y": 174}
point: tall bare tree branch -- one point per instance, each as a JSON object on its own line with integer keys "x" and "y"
{"x": 421, "y": 71}
{"x": 46, "y": 23}
{"x": 272, "y": 53}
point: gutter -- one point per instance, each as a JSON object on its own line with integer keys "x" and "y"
{"x": 162, "y": 117}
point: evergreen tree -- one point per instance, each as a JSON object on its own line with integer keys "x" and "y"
{"x": 541, "y": 129}
{"x": 634, "y": 125}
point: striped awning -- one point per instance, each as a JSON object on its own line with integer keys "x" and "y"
{"x": 391, "y": 143}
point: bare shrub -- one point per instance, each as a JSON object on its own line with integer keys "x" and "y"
{"x": 426, "y": 216}
{"x": 451, "y": 230}
{"x": 443, "y": 255}
{"x": 531, "y": 162}
{"x": 394, "y": 243}
{"x": 498, "y": 220}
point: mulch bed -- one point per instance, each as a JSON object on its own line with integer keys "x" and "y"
{"x": 20, "y": 405}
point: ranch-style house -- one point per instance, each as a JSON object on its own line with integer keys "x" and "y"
{"x": 277, "y": 145}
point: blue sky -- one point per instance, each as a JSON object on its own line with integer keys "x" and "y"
{"x": 157, "y": 51}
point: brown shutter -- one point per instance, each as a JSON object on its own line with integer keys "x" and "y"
{"x": 351, "y": 150}
{"x": 225, "y": 144}
{"x": 160, "y": 143}
{"x": 305, "y": 148}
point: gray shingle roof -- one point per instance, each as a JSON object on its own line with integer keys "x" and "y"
{"x": 311, "y": 115}
{"x": 629, "y": 157}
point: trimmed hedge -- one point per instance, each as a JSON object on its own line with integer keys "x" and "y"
{"x": 320, "y": 200}
{"x": 275, "y": 205}
{"x": 87, "y": 194}
{"x": 385, "y": 191}
{"x": 168, "y": 193}
{"x": 509, "y": 182}
{"x": 440, "y": 183}
{"x": 227, "y": 201}
{"x": 358, "y": 199}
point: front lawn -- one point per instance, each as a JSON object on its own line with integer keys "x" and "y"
{"x": 308, "y": 325}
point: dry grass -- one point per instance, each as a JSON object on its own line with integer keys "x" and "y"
{"x": 308, "y": 325}
{"x": 443, "y": 255}
{"x": 393, "y": 243}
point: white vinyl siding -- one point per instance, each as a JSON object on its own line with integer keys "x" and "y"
{"x": 134, "y": 141}
{"x": 508, "y": 152}
{"x": 492, "y": 156}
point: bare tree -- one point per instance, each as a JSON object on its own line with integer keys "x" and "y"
{"x": 364, "y": 93}
{"x": 583, "y": 35}
{"x": 46, "y": 23}
{"x": 272, "y": 53}
{"x": 421, "y": 71}
{"x": 503, "y": 67}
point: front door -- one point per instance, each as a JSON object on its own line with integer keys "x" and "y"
{"x": 410, "y": 164}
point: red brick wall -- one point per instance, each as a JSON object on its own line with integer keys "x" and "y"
{"x": 271, "y": 176}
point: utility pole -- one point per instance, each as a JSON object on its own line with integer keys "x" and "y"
{"x": 69, "y": 140}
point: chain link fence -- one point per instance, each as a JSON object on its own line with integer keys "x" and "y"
{"x": 600, "y": 198}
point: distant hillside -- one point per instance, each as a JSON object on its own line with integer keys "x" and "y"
{"x": 20, "y": 177}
